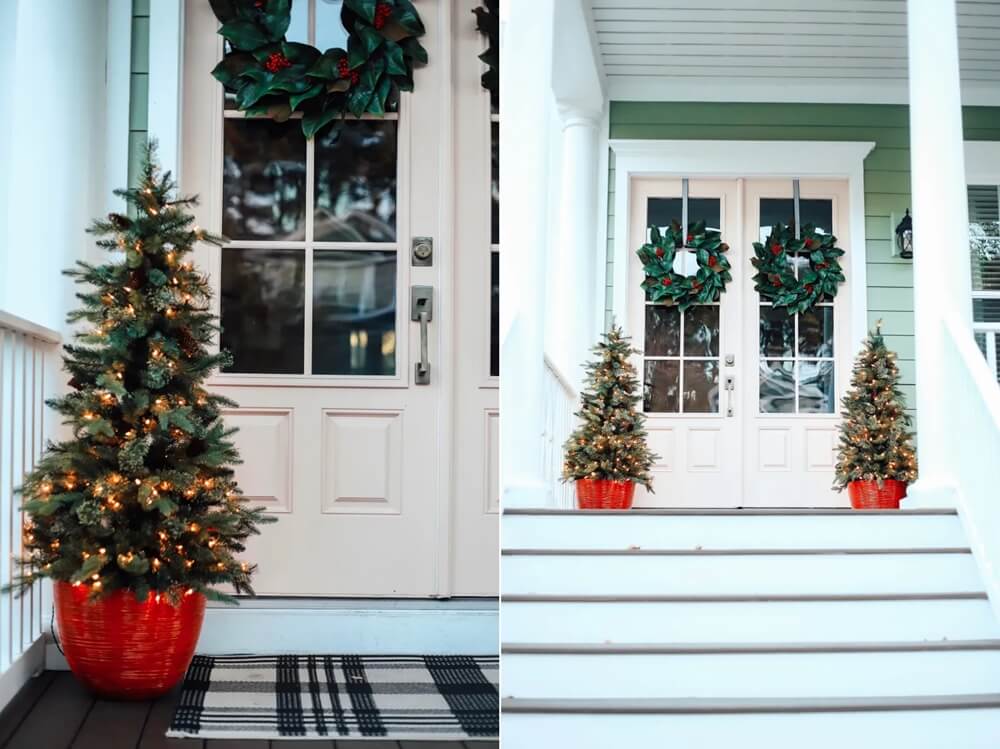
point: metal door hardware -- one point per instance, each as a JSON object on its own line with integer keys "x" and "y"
{"x": 422, "y": 251}
{"x": 730, "y": 390}
{"x": 422, "y": 311}
{"x": 730, "y": 360}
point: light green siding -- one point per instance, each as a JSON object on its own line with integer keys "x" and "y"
{"x": 887, "y": 177}
{"x": 138, "y": 129}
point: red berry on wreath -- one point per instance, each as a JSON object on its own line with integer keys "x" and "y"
{"x": 809, "y": 288}
{"x": 666, "y": 281}
{"x": 775, "y": 249}
{"x": 712, "y": 262}
{"x": 809, "y": 243}
{"x": 690, "y": 238}
{"x": 660, "y": 252}
{"x": 277, "y": 61}
{"x": 382, "y": 13}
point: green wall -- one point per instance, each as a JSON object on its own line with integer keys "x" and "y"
{"x": 887, "y": 178}
{"x": 138, "y": 129}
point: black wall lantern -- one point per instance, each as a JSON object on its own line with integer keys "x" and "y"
{"x": 904, "y": 236}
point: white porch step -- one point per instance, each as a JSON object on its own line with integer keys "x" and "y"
{"x": 963, "y": 721}
{"x": 694, "y": 619}
{"x": 731, "y": 529}
{"x": 706, "y": 671}
{"x": 738, "y": 571}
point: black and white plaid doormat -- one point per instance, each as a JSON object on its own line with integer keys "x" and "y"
{"x": 333, "y": 696}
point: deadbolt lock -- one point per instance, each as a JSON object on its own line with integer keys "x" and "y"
{"x": 422, "y": 251}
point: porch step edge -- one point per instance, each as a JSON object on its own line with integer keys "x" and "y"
{"x": 753, "y": 648}
{"x": 759, "y": 598}
{"x": 719, "y": 706}
{"x": 552, "y": 552}
{"x": 561, "y": 512}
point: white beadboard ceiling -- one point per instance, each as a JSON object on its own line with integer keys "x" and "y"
{"x": 780, "y": 50}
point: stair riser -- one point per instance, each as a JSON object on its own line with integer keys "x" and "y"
{"x": 838, "y": 621}
{"x": 758, "y": 675}
{"x": 932, "y": 729}
{"x": 852, "y": 530}
{"x": 720, "y": 575}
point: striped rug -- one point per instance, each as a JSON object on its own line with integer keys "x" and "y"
{"x": 339, "y": 696}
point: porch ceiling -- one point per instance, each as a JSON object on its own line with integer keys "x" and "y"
{"x": 780, "y": 50}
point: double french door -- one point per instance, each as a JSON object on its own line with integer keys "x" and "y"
{"x": 347, "y": 438}
{"x": 742, "y": 399}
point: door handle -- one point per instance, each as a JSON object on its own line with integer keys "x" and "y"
{"x": 422, "y": 311}
{"x": 730, "y": 390}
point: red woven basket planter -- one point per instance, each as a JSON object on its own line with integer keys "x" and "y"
{"x": 604, "y": 494}
{"x": 124, "y": 649}
{"x": 867, "y": 495}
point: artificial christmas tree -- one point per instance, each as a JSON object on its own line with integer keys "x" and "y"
{"x": 137, "y": 517}
{"x": 875, "y": 458}
{"x": 607, "y": 454}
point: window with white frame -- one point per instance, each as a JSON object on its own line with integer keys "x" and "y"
{"x": 984, "y": 247}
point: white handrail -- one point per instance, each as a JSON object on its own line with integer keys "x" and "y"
{"x": 974, "y": 428}
{"x": 28, "y": 362}
{"x": 560, "y": 402}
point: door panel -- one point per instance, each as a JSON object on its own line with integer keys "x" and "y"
{"x": 341, "y": 444}
{"x": 682, "y": 361}
{"x": 742, "y": 400}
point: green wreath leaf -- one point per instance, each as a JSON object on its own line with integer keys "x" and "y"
{"x": 272, "y": 76}
{"x": 775, "y": 280}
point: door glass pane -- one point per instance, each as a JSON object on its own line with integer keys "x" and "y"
{"x": 263, "y": 310}
{"x": 701, "y": 386}
{"x": 354, "y": 312}
{"x": 356, "y": 183}
{"x": 494, "y": 314}
{"x": 701, "y": 331}
{"x": 816, "y": 211}
{"x": 816, "y": 387}
{"x": 777, "y": 332}
{"x": 660, "y": 212}
{"x": 264, "y": 180}
{"x": 986, "y": 310}
{"x": 984, "y": 237}
{"x": 816, "y": 332}
{"x": 981, "y": 341}
{"x": 330, "y": 32}
{"x": 663, "y": 331}
{"x": 495, "y": 182}
{"x": 661, "y": 388}
{"x": 777, "y": 387}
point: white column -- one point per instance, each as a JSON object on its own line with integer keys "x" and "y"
{"x": 941, "y": 272}
{"x": 525, "y": 98}
{"x": 573, "y": 265}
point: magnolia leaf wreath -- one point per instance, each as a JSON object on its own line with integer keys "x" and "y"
{"x": 662, "y": 284}
{"x": 776, "y": 280}
{"x": 272, "y": 76}
{"x": 488, "y": 24}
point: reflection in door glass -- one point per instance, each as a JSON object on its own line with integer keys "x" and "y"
{"x": 701, "y": 331}
{"x": 356, "y": 182}
{"x": 354, "y": 312}
{"x": 264, "y": 180}
{"x": 663, "y": 330}
{"x": 777, "y": 332}
{"x": 816, "y": 332}
{"x": 701, "y": 386}
{"x": 777, "y": 387}
{"x": 816, "y": 387}
{"x": 263, "y": 310}
{"x": 661, "y": 386}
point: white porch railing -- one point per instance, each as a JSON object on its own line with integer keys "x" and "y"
{"x": 974, "y": 429}
{"x": 986, "y": 338}
{"x": 560, "y": 402}
{"x": 28, "y": 357}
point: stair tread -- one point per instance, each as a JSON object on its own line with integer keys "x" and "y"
{"x": 549, "y": 552}
{"x": 844, "y": 511}
{"x": 752, "y": 598}
{"x": 726, "y": 648}
{"x": 687, "y": 705}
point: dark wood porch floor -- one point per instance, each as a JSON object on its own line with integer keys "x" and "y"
{"x": 54, "y": 712}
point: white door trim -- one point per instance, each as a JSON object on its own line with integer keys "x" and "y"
{"x": 745, "y": 158}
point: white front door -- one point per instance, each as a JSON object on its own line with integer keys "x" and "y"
{"x": 341, "y": 442}
{"x": 741, "y": 398}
